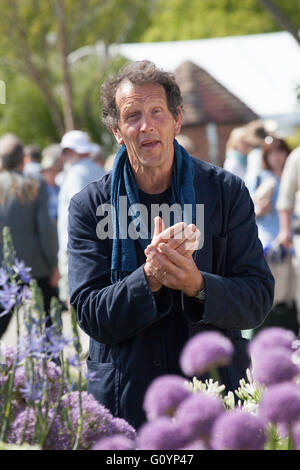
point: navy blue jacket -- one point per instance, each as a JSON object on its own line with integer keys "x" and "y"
{"x": 136, "y": 335}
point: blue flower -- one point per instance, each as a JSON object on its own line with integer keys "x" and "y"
{"x": 20, "y": 268}
{"x": 8, "y": 297}
{"x": 3, "y": 277}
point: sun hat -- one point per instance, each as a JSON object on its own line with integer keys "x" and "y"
{"x": 78, "y": 141}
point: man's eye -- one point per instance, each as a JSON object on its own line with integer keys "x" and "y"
{"x": 132, "y": 116}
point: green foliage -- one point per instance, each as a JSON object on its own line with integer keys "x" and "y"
{"x": 25, "y": 112}
{"x": 214, "y": 18}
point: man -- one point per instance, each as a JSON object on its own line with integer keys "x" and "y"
{"x": 79, "y": 170}
{"x": 288, "y": 206}
{"x": 23, "y": 208}
{"x": 32, "y": 161}
{"x": 51, "y": 166}
{"x": 139, "y": 299}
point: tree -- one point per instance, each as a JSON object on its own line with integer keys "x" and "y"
{"x": 36, "y": 38}
{"x": 179, "y": 20}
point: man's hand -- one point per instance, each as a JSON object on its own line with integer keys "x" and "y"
{"x": 175, "y": 270}
{"x": 180, "y": 237}
{"x": 169, "y": 258}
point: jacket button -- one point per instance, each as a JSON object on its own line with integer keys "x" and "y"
{"x": 156, "y": 362}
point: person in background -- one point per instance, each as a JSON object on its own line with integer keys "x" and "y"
{"x": 98, "y": 155}
{"x": 258, "y": 133}
{"x": 274, "y": 155}
{"x": 288, "y": 206}
{"x": 237, "y": 148}
{"x": 32, "y": 161}
{"x": 79, "y": 170}
{"x": 24, "y": 209}
{"x": 51, "y": 166}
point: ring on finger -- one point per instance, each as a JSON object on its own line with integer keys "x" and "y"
{"x": 163, "y": 274}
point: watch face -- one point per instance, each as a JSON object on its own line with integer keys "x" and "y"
{"x": 201, "y": 294}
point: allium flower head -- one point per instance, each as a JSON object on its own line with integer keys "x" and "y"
{"x": 121, "y": 426}
{"x": 274, "y": 366}
{"x": 205, "y": 351}
{"x": 198, "y": 413}
{"x": 97, "y": 420}
{"x": 162, "y": 434}
{"x": 23, "y": 429}
{"x": 270, "y": 338}
{"x": 116, "y": 442}
{"x": 238, "y": 430}
{"x": 164, "y": 395}
{"x": 281, "y": 403}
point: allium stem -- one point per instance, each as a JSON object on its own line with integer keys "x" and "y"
{"x": 8, "y": 402}
{"x": 80, "y": 419}
{"x": 290, "y": 445}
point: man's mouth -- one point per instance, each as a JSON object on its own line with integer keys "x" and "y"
{"x": 149, "y": 144}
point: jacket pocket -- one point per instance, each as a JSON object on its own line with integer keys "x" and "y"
{"x": 219, "y": 245}
{"x": 103, "y": 384}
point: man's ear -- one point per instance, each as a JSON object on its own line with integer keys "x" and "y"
{"x": 117, "y": 135}
{"x": 178, "y": 121}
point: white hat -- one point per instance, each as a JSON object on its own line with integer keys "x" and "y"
{"x": 78, "y": 141}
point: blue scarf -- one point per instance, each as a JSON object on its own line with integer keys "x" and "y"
{"x": 124, "y": 258}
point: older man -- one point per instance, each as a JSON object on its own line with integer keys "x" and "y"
{"x": 140, "y": 294}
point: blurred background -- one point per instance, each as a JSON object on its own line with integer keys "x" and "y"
{"x": 235, "y": 60}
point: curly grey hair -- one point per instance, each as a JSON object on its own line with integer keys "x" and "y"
{"x": 138, "y": 73}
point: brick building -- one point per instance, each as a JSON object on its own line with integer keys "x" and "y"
{"x": 210, "y": 112}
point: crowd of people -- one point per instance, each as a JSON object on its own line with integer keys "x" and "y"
{"x": 36, "y": 186}
{"x": 270, "y": 170}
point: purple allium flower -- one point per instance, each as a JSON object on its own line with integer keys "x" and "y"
{"x": 163, "y": 396}
{"x": 23, "y": 428}
{"x": 116, "y": 442}
{"x": 197, "y": 415}
{"x": 238, "y": 430}
{"x": 281, "y": 403}
{"x": 162, "y": 434}
{"x": 273, "y": 366}
{"x": 273, "y": 337}
{"x": 97, "y": 420}
{"x": 120, "y": 426}
{"x": 205, "y": 351}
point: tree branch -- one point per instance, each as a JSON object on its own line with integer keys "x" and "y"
{"x": 59, "y": 9}
{"x": 280, "y": 18}
{"x": 26, "y": 56}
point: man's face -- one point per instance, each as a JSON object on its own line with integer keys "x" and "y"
{"x": 146, "y": 125}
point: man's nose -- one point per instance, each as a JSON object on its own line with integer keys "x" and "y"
{"x": 146, "y": 123}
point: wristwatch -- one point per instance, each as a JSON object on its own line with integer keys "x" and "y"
{"x": 201, "y": 295}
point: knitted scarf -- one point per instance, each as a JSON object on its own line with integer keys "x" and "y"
{"x": 124, "y": 258}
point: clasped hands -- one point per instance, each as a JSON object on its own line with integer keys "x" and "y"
{"x": 169, "y": 260}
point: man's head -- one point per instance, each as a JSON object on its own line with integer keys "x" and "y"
{"x": 143, "y": 108}
{"x": 11, "y": 153}
{"x": 32, "y": 153}
{"x": 139, "y": 73}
